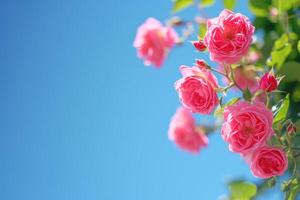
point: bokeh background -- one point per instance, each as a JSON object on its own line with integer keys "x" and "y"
{"x": 81, "y": 118}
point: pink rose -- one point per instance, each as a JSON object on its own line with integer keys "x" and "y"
{"x": 228, "y": 37}
{"x": 153, "y": 41}
{"x": 268, "y": 82}
{"x": 246, "y": 126}
{"x": 184, "y": 133}
{"x": 196, "y": 89}
{"x": 266, "y": 162}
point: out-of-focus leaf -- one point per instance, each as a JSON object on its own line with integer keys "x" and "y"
{"x": 291, "y": 71}
{"x": 283, "y": 5}
{"x": 282, "y": 111}
{"x": 202, "y": 30}
{"x": 207, "y": 3}
{"x": 259, "y": 8}
{"x": 179, "y": 5}
{"x": 298, "y": 46}
{"x": 229, "y": 4}
{"x": 241, "y": 190}
{"x": 280, "y": 51}
{"x": 296, "y": 93}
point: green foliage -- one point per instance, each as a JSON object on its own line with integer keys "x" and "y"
{"x": 281, "y": 51}
{"x": 291, "y": 71}
{"x": 241, "y": 190}
{"x": 207, "y": 3}
{"x": 282, "y": 110}
{"x": 259, "y": 8}
{"x": 285, "y": 5}
{"x": 247, "y": 95}
{"x": 179, "y": 5}
{"x": 271, "y": 182}
{"x": 229, "y": 4}
{"x": 298, "y": 46}
{"x": 202, "y": 30}
{"x": 220, "y": 109}
{"x": 292, "y": 188}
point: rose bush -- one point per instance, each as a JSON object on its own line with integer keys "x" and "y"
{"x": 261, "y": 119}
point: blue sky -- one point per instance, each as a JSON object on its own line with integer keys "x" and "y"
{"x": 83, "y": 119}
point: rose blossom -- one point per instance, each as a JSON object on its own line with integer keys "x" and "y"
{"x": 196, "y": 89}
{"x": 246, "y": 126}
{"x": 153, "y": 41}
{"x": 268, "y": 82}
{"x": 184, "y": 133}
{"x": 266, "y": 162}
{"x": 228, "y": 37}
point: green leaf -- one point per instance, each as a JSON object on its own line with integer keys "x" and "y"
{"x": 282, "y": 110}
{"x": 229, "y": 4}
{"x": 206, "y": 3}
{"x": 259, "y": 8}
{"x": 247, "y": 95}
{"x": 293, "y": 189}
{"x": 290, "y": 71}
{"x": 220, "y": 109}
{"x": 298, "y": 46}
{"x": 280, "y": 51}
{"x": 179, "y": 5}
{"x": 241, "y": 190}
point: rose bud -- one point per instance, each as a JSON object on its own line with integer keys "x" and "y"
{"x": 199, "y": 45}
{"x": 201, "y": 63}
{"x": 291, "y": 128}
{"x": 268, "y": 82}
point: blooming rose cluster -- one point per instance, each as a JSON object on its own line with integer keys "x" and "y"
{"x": 247, "y": 128}
{"x": 153, "y": 42}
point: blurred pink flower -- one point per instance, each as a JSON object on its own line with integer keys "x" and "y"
{"x": 246, "y": 126}
{"x": 184, "y": 133}
{"x": 196, "y": 89}
{"x": 228, "y": 37}
{"x": 153, "y": 42}
{"x": 245, "y": 77}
